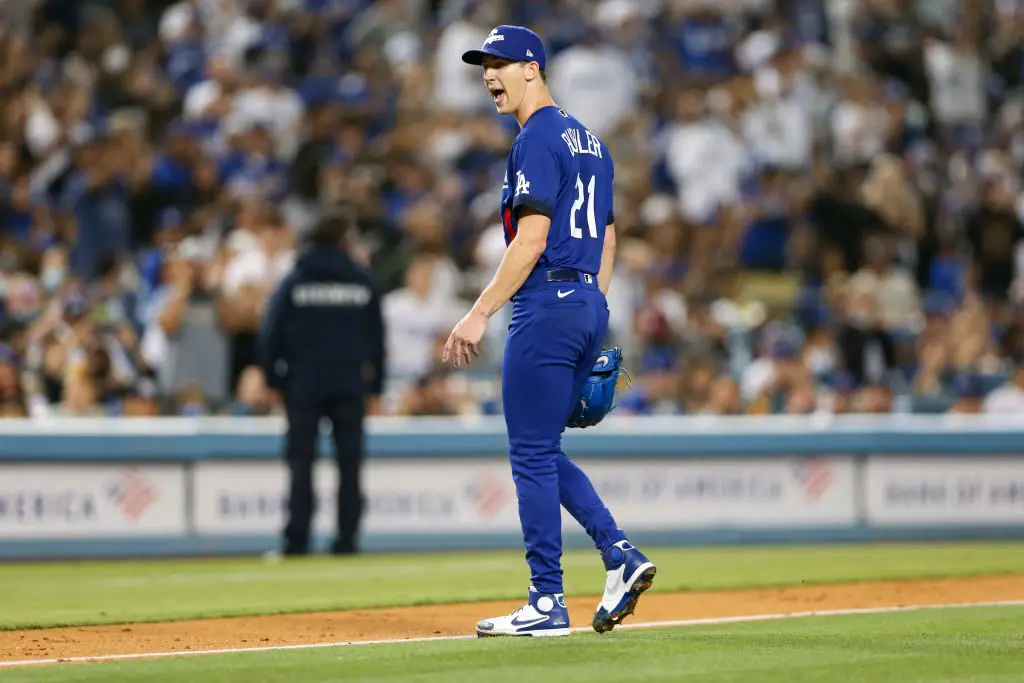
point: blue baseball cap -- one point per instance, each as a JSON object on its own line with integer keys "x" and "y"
{"x": 516, "y": 43}
{"x": 170, "y": 218}
{"x": 968, "y": 385}
{"x": 784, "y": 349}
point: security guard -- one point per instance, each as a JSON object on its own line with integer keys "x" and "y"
{"x": 322, "y": 347}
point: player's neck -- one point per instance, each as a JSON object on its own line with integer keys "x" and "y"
{"x": 531, "y": 103}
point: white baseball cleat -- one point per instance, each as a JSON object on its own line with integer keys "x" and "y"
{"x": 544, "y": 614}
{"x": 630, "y": 573}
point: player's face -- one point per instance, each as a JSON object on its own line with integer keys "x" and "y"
{"x": 506, "y": 82}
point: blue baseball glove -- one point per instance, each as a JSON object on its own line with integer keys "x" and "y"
{"x": 596, "y": 399}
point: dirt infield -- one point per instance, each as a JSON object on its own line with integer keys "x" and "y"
{"x": 426, "y": 621}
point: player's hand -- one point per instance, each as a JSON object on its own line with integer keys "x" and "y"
{"x": 463, "y": 343}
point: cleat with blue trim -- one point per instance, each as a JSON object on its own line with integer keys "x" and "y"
{"x": 544, "y": 614}
{"x": 630, "y": 573}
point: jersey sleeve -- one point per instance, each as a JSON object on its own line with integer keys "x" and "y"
{"x": 611, "y": 191}
{"x": 536, "y": 176}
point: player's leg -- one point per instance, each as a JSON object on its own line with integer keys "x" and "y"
{"x": 581, "y": 500}
{"x": 300, "y": 454}
{"x": 346, "y": 415}
{"x": 575, "y": 490}
{"x": 629, "y": 573}
{"x": 544, "y": 345}
{"x": 541, "y": 355}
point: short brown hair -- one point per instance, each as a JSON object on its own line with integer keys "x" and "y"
{"x": 331, "y": 228}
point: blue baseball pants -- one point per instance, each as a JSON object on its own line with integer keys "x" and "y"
{"x": 552, "y": 344}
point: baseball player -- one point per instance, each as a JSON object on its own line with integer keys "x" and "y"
{"x": 556, "y": 208}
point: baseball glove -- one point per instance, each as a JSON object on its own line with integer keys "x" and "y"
{"x": 596, "y": 399}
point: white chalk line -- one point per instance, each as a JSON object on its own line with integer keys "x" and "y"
{"x": 578, "y": 629}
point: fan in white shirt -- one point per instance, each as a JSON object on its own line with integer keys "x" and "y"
{"x": 203, "y": 100}
{"x": 1009, "y": 398}
{"x": 596, "y": 82}
{"x": 859, "y": 122}
{"x": 42, "y": 129}
{"x": 229, "y": 29}
{"x": 958, "y": 80}
{"x": 460, "y": 87}
{"x": 705, "y": 158}
{"x": 271, "y": 103}
{"x": 778, "y": 128}
{"x": 257, "y": 259}
{"x": 414, "y": 317}
{"x": 892, "y": 288}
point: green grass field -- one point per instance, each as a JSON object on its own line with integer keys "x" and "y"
{"x": 72, "y": 594}
{"x": 930, "y": 645}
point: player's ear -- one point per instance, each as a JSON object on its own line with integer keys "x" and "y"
{"x": 532, "y": 71}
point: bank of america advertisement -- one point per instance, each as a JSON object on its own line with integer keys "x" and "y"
{"x": 412, "y": 496}
{"x": 479, "y": 496}
{"x": 944, "y": 491}
{"x": 81, "y": 501}
{"x": 769, "y": 493}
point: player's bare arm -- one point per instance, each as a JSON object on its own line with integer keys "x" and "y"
{"x": 604, "y": 276}
{"x": 518, "y": 262}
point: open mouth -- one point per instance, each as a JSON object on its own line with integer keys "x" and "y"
{"x": 498, "y": 95}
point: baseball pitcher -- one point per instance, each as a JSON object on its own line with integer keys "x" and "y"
{"x": 556, "y": 208}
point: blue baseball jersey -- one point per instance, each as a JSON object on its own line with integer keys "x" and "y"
{"x": 559, "y": 168}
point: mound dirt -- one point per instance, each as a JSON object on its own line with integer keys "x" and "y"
{"x": 446, "y": 620}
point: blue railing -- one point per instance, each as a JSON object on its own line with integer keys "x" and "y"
{"x": 190, "y": 439}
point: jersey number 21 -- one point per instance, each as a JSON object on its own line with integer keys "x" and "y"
{"x": 574, "y": 230}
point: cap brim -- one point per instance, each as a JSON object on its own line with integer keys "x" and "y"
{"x": 474, "y": 57}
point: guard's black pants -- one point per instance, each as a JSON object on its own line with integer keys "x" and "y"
{"x": 346, "y": 415}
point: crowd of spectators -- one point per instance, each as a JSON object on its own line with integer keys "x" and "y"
{"x": 819, "y": 202}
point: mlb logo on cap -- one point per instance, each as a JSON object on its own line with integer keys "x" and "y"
{"x": 515, "y": 43}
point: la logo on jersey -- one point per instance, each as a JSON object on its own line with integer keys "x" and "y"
{"x": 522, "y": 184}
